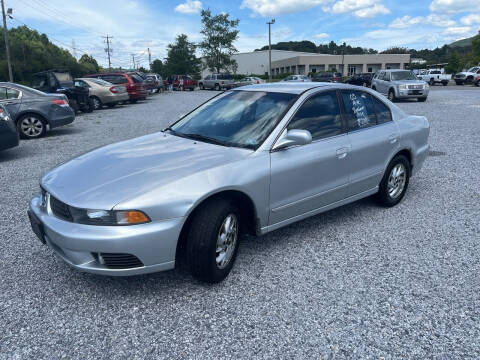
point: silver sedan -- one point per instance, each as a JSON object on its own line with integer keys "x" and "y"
{"x": 248, "y": 161}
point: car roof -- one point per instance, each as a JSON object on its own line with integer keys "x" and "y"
{"x": 292, "y": 88}
{"x": 394, "y": 70}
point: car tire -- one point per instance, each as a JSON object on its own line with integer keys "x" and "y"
{"x": 31, "y": 126}
{"x": 469, "y": 80}
{"x": 201, "y": 86}
{"x": 422, "y": 99}
{"x": 431, "y": 82}
{"x": 374, "y": 88}
{"x": 444, "y": 83}
{"x": 394, "y": 183}
{"x": 88, "y": 107}
{"x": 74, "y": 105}
{"x": 391, "y": 96}
{"x": 459, "y": 82}
{"x": 204, "y": 248}
{"x": 97, "y": 103}
{"x": 217, "y": 87}
{"x": 133, "y": 101}
{"x": 477, "y": 83}
{"x": 191, "y": 89}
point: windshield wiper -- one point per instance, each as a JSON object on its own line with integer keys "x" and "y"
{"x": 205, "y": 138}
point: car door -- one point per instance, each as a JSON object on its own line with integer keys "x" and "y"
{"x": 11, "y": 99}
{"x": 373, "y": 138}
{"x": 379, "y": 81}
{"x": 309, "y": 177}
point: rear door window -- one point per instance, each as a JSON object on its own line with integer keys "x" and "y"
{"x": 359, "y": 109}
{"x": 12, "y": 93}
{"x": 136, "y": 78}
{"x": 383, "y": 112}
{"x": 3, "y": 93}
{"x": 320, "y": 115}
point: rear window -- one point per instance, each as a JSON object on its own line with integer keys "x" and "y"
{"x": 114, "y": 79}
{"x": 63, "y": 76}
{"x": 225, "y": 77}
{"x": 101, "y": 82}
{"x": 136, "y": 78}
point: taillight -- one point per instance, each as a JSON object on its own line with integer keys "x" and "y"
{"x": 114, "y": 90}
{"x": 60, "y": 102}
{"x": 258, "y": 82}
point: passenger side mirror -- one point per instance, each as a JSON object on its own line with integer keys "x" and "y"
{"x": 293, "y": 137}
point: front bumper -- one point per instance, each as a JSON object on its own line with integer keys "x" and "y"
{"x": 154, "y": 244}
{"x": 407, "y": 94}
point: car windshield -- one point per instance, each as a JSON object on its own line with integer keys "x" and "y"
{"x": 238, "y": 118}
{"x": 63, "y": 76}
{"x": 403, "y": 75}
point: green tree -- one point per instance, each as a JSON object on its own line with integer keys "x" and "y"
{"x": 181, "y": 57}
{"x": 453, "y": 63}
{"x": 217, "y": 46}
{"x": 157, "y": 67}
{"x": 476, "y": 46}
{"x": 89, "y": 64}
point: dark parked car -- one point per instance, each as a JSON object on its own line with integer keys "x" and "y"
{"x": 328, "y": 77}
{"x": 61, "y": 82}
{"x": 33, "y": 110}
{"x": 133, "y": 82}
{"x": 8, "y": 131}
{"x": 364, "y": 79}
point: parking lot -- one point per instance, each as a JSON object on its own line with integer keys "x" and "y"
{"x": 357, "y": 282}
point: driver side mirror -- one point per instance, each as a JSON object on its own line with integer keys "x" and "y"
{"x": 293, "y": 137}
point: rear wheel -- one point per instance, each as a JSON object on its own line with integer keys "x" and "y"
{"x": 431, "y": 82}
{"x": 217, "y": 87}
{"x": 201, "y": 86}
{"x": 97, "y": 103}
{"x": 31, "y": 126}
{"x": 394, "y": 184}
{"x": 213, "y": 240}
{"x": 444, "y": 83}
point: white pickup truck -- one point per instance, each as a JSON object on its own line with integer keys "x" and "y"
{"x": 434, "y": 76}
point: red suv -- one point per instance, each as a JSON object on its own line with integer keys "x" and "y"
{"x": 188, "y": 82}
{"x": 133, "y": 82}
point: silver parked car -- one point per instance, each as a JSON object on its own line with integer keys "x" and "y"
{"x": 297, "y": 78}
{"x": 217, "y": 82}
{"x": 250, "y": 160}
{"x": 249, "y": 80}
{"x": 103, "y": 92}
{"x": 400, "y": 84}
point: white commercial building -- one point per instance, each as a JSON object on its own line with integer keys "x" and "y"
{"x": 256, "y": 62}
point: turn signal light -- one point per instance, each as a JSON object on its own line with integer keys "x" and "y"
{"x": 131, "y": 217}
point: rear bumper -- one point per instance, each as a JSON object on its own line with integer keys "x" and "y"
{"x": 61, "y": 118}
{"x": 8, "y": 136}
{"x": 154, "y": 244}
{"x": 135, "y": 95}
{"x": 114, "y": 98}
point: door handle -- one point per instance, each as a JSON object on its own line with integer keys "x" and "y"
{"x": 342, "y": 153}
{"x": 392, "y": 138}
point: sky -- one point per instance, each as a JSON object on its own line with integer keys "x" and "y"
{"x": 140, "y": 24}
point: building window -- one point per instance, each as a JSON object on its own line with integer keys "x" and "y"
{"x": 352, "y": 70}
{"x": 370, "y": 69}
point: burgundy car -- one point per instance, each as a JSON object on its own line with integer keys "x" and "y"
{"x": 182, "y": 82}
{"x": 133, "y": 82}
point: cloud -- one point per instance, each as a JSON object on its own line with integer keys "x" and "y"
{"x": 470, "y": 19}
{"x": 271, "y": 8}
{"x": 190, "y": 7}
{"x": 321, "y": 36}
{"x": 432, "y": 19}
{"x": 457, "y": 30}
{"x": 453, "y": 6}
{"x": 359, "y": 8}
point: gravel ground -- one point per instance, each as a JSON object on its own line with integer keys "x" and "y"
{"x": 356, "y": 282}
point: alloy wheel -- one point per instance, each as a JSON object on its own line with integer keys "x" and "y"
{"x": 31, "y": 126}
{"x": 396, "y": 181}
{"x": 96, "y": 103}
{"x": 226, "y": 241}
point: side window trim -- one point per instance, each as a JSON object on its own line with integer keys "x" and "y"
{"x": 376, "y": 112}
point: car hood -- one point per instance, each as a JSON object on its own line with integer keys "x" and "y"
{"x": 104, "y": 177}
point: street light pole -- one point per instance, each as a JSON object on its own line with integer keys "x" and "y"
{"x": 269, "y": 50}
{"x": 7, "y": 47}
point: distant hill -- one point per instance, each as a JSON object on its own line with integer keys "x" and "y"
{"x": 462, "y": 43}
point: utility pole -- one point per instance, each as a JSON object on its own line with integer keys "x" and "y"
{"x": 149, "y": 59}
{"x": 108, "y": 50}
{"x": 7, "y": 47}
{"x": 74, "y": 48}
{"x": 270, "y": 50}
{"x": 133, "y": 60}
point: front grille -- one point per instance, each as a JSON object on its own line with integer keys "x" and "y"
{"x": 60, "y": 209}
{"x": 415, "y": 87}
{"x": 459, "y": 76}
{"x": 120, "y": 261}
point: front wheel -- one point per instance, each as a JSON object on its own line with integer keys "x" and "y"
{"x": 394, "y": 184}
{"x": 217, "y": 87}
{"x": 391, "y": 96}
{"x": 97, "y": 103}
{"x": 213, "y": 240}
{"x": 31, "y": 126}
{"x": 444, "y": 83}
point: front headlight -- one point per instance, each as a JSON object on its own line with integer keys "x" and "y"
{"x": 402, "y": 87}
{"x": 108, "y": 217}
